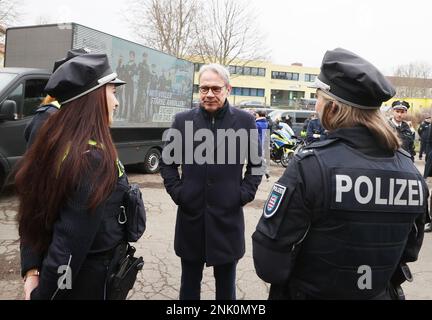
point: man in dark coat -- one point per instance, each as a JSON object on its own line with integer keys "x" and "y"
{"x": 315, "y": 132}
{"x": 423, "y": 132}
{"x": 212, "y": 190}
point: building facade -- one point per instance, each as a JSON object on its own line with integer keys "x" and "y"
{"x": 281, "y": 86}
{"x": 416, "y": 91}
{"x": 261, "y": 82}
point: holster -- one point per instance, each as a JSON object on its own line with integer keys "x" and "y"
{"x": 401, "y": 275}
{"x": 122, "y": 272}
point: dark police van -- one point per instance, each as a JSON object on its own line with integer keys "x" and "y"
{"x": 158, "y": 87}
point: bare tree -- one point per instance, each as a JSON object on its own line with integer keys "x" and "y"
{"x": 221, "y": 31}
{"x": 166, "y": 25}
{"x": 417, "y": 73}
{"x": 8, "y": 15}
{"x": 228, "y": 31}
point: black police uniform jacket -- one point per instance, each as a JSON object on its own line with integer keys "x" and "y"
{"x": 406, "y": 135}
{"x": 342, "y": 207}
{"x": 314, "y": 127}
{"x": 82, "y": 241}
{"x": 423, "y": 131}
{"x": 210, "y": 197}
{"x": 42, "y": 115}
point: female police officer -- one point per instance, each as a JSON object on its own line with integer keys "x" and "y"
{"x": 71, "y": 185}
{"x": 348, "y": 210}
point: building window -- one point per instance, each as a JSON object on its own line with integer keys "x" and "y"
{"x": 239, "y": 70}
{"x": 313, "y": 96}
{"x": 285, "y": 75}
{"x": 310, "y": 77}
{"x": 247, "y": 71}
{"x": 286, "y": 98}
{"x": 237, "y": 91}
{"x": 250, "y": 92}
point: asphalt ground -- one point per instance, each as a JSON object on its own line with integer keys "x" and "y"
{"x": 160, "y": 278}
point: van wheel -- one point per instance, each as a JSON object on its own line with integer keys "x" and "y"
{"x": 151, "y": 162}
{"x": 2, "y": 179}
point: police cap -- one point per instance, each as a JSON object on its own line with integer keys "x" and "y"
{"x": 399, "y": 104}
{"x": 352, "y": 80}
{"x": 80, "y": 76}
{"x": 70, "y": 54}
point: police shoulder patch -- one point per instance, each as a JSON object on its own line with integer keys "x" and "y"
{"x": 274, "y": 200}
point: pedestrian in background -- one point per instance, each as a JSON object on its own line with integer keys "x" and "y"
{"x": 263, "y": 127}
{"x": 423, "y": 131}
{"x": 315, "y": 131}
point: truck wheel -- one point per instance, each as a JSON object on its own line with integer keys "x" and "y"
{"x": 151, "y": 161}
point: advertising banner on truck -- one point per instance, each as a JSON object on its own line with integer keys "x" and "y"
{"x": 158, "y": 85}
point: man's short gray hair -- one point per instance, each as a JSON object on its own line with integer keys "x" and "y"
{"x": 218, "y": 69}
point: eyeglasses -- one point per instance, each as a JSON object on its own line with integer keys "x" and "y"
{"x": 214, "y": 89}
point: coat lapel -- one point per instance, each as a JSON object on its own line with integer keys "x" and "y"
{"x": 228, "y": 122}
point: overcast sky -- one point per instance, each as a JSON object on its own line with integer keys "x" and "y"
{"x": 387, "y": 33}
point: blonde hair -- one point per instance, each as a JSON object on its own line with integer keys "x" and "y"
{"x": 47, "y": 100}
{"x": 346, "y": 116}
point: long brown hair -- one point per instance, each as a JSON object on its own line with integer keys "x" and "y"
{"x": 336, "y": 115}
{"x": 56, "y": 163}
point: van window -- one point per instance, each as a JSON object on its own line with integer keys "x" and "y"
{"x": 34, "y": 94}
